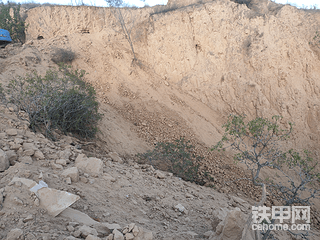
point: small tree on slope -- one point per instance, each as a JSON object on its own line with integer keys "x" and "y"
{"x": 125, "y": 20}
{"x": 257, "y": 143}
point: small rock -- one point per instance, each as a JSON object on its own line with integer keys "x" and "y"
{"x": 3, "y": 135}
{"x": 180, "y": 208}
{"x": 36, "y": 202}
{"x": 72, "y": 172}
{"x": 69, "y": 238}
{"x": 86, "y": 230}
{"x": 115, "y": 157}
{"x": 117, "y": 235}
{"x": 159, "y": 174}
{"x": 68, "y": 181}
{"x": 38, "y": 155}
{"x": 14, "y": 234}
{"x": 128, "y": 175}
{"x": 142, "y": 234}
{"x": 129, "y": 236}
{"x": 188, "y": 195}
{"x": 18, "y": 201}
{"x": 86, "y": 175}
{"x": 12, "y": 156}
{"x": 56, "y": 166}
{"x": 18, "y": 141}
{"x": 28, "y": 218}
{"x": 28, "y": 145}
{"x": 76, "y": 233}
{"x": 110, "y": 237}
{"x": 135, "y": 230}
{"x": 208, "y": 234}
{"x": 25, "y": 159}
{"x": 91, "y": 237}
{"x": 65, "y": 154}
{"x": 108, "y": 177}
{"x": 12, "y": 132}
{"x": 73, "y": 224}
{"x": 131, "y": 226}
{"x": 30, "y": 236}
{"x": 102, "y": 229}
{"x": 84, "y": 179}
{"x": 70, "y": 228}
{"x": 29, "y": 152}
{"x": 187, "y": 235}
{"x": 125, "y": 230}
{"x": 111, "y": 226}
{"x": 62, "y": 162}
{"x": 15, "y": 147}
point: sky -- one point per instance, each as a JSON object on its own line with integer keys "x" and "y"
{"x": 138, "y": 3}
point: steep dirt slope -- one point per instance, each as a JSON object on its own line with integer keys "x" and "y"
{"x": 196, "y": 64}
{"x": 202, "y": 61}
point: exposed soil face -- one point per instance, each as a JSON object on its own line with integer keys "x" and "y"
{"x": 196, "y": 64}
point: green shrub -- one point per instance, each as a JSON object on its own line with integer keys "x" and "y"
{"x": 61, "y": 55}
{"x": 13, "y": 23}
{"x": 60, "y": 100}
{"x": 177, "y": 157}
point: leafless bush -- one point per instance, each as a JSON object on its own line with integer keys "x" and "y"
{"x": 125, "y": 19}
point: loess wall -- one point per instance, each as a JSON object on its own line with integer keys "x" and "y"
{"x": 216, "y": 58}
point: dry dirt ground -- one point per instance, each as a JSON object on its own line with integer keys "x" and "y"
{"x": 119, "y": 193}
{"x": 143, "y": 103}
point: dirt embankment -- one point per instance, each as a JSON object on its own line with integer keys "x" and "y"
{"x": 197, "y": 63}
{"x": 202, "y": 61}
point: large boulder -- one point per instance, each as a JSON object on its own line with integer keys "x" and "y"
{"x": 231, "y": 227}
{"x": 90, "y": 165}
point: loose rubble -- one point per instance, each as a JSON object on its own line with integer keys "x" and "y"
{"x": 81, "y": 197}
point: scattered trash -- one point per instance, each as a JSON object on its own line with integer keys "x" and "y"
{"x": 54, "y": 201}
{"x": 37, "y": 187}
{"x": 4, "y": 37}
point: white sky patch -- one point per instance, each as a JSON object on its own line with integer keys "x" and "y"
{"x": 301, "y": 3}
{"x": 99, "y": 3}
{"x": 138, "y": 3}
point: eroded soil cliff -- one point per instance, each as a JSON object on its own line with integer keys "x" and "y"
{"x": 196, "y": 64}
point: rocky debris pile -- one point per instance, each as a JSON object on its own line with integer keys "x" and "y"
{"x": 90, "y": 233}
{"x": 54, "y": 190}
{"x": 130, "y": 232}
{"x": 27, "y": 158}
